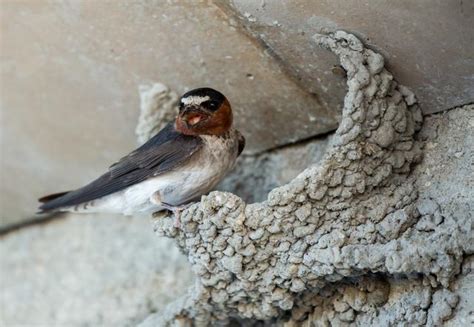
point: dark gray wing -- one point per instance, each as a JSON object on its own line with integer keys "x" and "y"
{"x": 241, "y": 143}
{"x": 163, "y": 152}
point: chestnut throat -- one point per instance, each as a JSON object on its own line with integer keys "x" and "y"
{"x": 216, "y": 124}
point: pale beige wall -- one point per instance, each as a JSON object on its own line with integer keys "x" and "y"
{"x": 70, "y": 77}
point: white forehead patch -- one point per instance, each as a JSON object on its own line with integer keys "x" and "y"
{"x": 194, "y": 100}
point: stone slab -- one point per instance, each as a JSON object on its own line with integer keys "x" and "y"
{"x": 428, "y": 45}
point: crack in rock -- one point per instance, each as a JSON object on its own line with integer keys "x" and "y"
{"x": 317, "y": 241}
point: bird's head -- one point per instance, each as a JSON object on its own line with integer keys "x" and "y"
{"x": 204, "y": 111}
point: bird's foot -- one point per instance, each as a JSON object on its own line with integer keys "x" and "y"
{"x": 176, "y": 210}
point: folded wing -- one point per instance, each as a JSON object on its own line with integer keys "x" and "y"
{"x": 165, "y": 151}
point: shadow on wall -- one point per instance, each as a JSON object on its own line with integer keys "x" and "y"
{"x": 256, "y": 175}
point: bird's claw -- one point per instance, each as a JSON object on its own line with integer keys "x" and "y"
{"x": 176, "y": 210}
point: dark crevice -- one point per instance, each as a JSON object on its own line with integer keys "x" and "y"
{"x": 302, "y": 141}
{"x": 31, "y": 221}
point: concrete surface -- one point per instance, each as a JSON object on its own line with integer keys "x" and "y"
{"x": 88, "y": 271}
{"x": 429, "y": 45}
{"x": 70, "y": 77}
{"x": 464, "y": 287}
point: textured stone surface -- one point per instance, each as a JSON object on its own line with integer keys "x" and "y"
{"x": 379, "y": 302}
{"x": 464, "y": 287}
{"x": 446, "y": 192}
{"x": 88, "y": 271}
{"x": 158, "y": 106}
{"x": 357, "y": 213}
{"x": 428, "y": 44}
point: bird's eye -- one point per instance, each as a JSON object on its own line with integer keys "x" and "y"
{"x": 213, "y": 105}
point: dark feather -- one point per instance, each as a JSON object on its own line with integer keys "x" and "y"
{"x": 241, "y": 144}
{"x": 50, "y": 197}
{"x": 166, "y": 150}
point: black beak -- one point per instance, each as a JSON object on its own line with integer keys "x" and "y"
{"x": 190, "y": 109}
{"x": 194, "y": 109}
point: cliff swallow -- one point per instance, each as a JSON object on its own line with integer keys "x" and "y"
{"x": 185, "y": 160}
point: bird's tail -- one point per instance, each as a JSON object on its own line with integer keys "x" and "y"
{"x": 47, "y": 198}
{"x": 50, "y": 197}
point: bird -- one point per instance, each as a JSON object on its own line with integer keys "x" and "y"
{"x": 182, "y": 162}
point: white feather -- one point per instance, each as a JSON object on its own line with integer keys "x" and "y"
{"x": 194, "y": 100}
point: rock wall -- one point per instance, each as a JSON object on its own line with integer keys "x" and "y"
{"x": 343, "y": 239}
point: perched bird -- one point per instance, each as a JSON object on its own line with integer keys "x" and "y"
{"x": 183, "y": 161}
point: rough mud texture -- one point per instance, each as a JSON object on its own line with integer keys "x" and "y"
{"x": 158, "y": 106}
{"x": 463, "y": 286}
{"x": 354, "y": 215}
{"x": 366, "y": 302}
